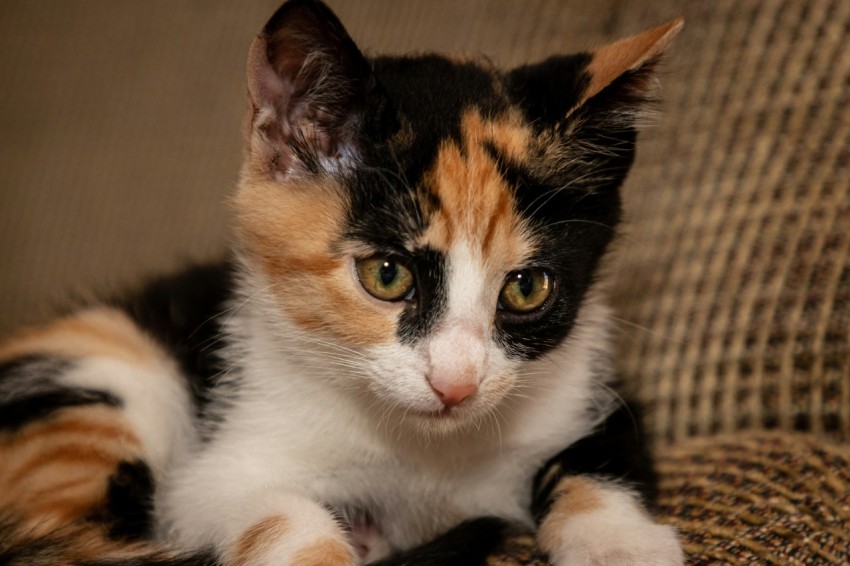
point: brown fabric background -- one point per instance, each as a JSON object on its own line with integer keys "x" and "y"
{"x": 737, "y": 263}
{"x": 120, "y": 138}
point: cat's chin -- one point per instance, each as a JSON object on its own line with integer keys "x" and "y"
{"x": 442, "y": 421}
{"x": 445, "y": 413}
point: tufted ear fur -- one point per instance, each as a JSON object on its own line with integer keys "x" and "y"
{"x": 310, "y": 91}
{"x": 621, "y": 72}
{"x": 633, "y": 58}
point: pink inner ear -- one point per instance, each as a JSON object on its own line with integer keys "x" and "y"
{"x": 612, "y": 60}
{"x": 305, "y": 82}
{"x": 278, "y": 115}
{"x": 265, "y": 87}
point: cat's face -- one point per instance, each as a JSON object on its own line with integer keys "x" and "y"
{"x": 435, "y": 223}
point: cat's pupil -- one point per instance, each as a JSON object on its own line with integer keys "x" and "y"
{"x": 525, "y": 283}
{"x": 388, "y": 272}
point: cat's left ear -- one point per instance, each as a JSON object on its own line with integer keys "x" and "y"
{"x": 620, "y": 72}
{"x": 310, "y": 91}
{"x": 633, "y": 58}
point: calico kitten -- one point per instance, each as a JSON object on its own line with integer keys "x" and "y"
{"x": 410, "y": 332}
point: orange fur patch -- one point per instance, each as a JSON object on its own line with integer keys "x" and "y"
{"x": 327, "y": 552}
{"x": 476, "y": 204}
{"x": 61, "y": 465}
{"x": 258, "y": 539}
{"x": 288, "y": 229}
{"x": 573, "y": 496}
{"x": 97, "y": 332}
{"x": 611, "y": 61}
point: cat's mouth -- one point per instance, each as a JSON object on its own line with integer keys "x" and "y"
{"x": 444, "y": 413}
{"x": 440, "y": 421}
{"x": 447, "y": 415}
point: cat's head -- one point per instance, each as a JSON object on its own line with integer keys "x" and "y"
{"x": 437, "y": 222}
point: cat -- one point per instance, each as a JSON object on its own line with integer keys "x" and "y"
{"x": 406, "y": 356}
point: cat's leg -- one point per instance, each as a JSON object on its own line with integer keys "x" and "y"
{"x": 597, "y": 522}
{"x": 587, "y": 515}
{"x": 274, "y": 528}
{"x": 242, "y": 497}
{"x": 91, "y": 412}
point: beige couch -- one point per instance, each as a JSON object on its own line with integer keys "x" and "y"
{"x": 121, "y": 137}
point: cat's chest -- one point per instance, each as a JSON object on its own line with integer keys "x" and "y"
{"x": 412, "y": 486}
{"x": 414, "y": 496}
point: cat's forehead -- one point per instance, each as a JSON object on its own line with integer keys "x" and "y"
{"x": 434, "y": 98}
{"x": 474, "y": 204}
{"x": 455, "y": 123}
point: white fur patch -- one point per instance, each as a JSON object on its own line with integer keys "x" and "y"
{"x": 619, "y": 532}
{"x": 155, "y": 400}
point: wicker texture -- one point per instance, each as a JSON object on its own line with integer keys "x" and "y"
{"x": 734, "y": 283}
{"x": 759, "y": 499}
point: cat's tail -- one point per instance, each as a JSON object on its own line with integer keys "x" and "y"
{"x": 43, "y": 544}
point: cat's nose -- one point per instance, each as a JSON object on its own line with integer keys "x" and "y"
{"x": 452, "y": 393}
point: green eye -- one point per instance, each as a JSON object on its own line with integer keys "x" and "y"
{"x": 385, "y": 278}
{"x": 526, "y": 290}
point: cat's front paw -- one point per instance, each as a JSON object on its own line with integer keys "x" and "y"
{"x": 592, "y": 523}
{"x": 283, "y": 528}
{"x": 600, "y": 539}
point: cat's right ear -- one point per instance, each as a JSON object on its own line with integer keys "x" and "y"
{"x": 309, "y": 88}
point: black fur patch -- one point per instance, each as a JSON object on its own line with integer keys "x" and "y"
{"x": 39, "y": 368}
{"x": 573, "y": 228}
{"x": 183, "y": 313}
{"x": 572, "y": 257}
{"x": 468, "y": 544}
{"x": 17, "y": 414}
{"x": 127, "y": 511}
{"x": 617, "y": 450}
{"x": 425, "y": 309}
{"x": 29, "y": 392}
{"x": 546, "y": 91}
{"x": 386, "y": 188}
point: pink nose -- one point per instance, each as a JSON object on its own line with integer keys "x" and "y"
{"x": 453, "y": 393}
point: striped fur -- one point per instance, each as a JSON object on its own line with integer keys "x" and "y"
{"x": 272, "y": 410}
